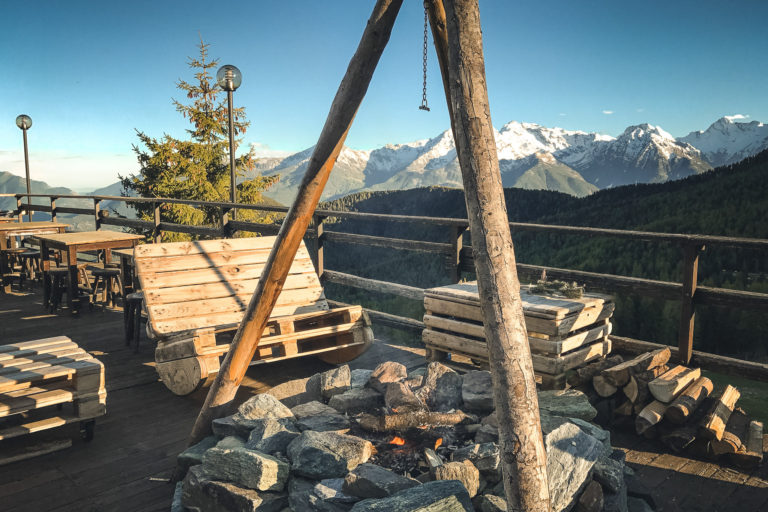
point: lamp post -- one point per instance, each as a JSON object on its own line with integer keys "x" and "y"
{"x": 229, "y": 78}
{"x": 24, "y": 122}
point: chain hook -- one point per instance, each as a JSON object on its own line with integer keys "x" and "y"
{"x": 424, "y": 105}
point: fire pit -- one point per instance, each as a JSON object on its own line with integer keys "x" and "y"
{"x": 386, "y": 439}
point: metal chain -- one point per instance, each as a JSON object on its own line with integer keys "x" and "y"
{"x": 424, "y": 105}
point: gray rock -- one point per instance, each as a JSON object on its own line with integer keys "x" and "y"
{"x": 491, "y": 503}
{"x": 400, "y": 396}
{"x": 313, "y": 408}
{"x": 178, "y": 490}
{"x": 571, "y": 456}
{"x": 447, "y": 392}
{"x": 418, "y": 372}
{"x": 327, "y": 454}
{"x": 325, "y": 423}
{"x": 261, "y": 406}
{"x": 372, "y": 481}
{"x": 615, "y": 502}
{"x": 302, "y": 498}
{"x": 638, "y": 505}
{"x": 591, "y": 499}
{"x": 610, "y": 474}
{"x": 230, "y": 442}
{"x": 486, "y": 457}
{"x": 593, "y": 430}
{"x": 335, "y": 381}
{"x": 297, "y": 391}
{"x": 272, "y": 435}
{"x": 193, "y": 455}
{"x": 569, "y": 403}
{"x": 433, "y": 372}
{"x": 491, "y": 420}
{"x": 246, "y": 468}
{"x": 331, "y": 490}
{"x": 487, "y": 434}
{"x": 464, "y": 471}
{"x": 415, "y": 381}
{"x": 357, "y": 400}
{"x": 359, "y": 378}
{"x": 438, "y": 496}
{"x": 385, "y": 373}
{"x": 200, "y": 492}
{"x": 477, "y": 391}
{"x": 226, "y": 426}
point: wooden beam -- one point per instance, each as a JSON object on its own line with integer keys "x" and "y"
{"x": 342, "y": 113}
{"x": 522, "y": 447}
{"x": 687, "y": 312}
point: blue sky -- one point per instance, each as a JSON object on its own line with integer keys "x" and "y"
{"x": 89, "y": 73}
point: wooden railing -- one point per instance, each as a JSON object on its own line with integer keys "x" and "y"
{"x": 457, "y": 256}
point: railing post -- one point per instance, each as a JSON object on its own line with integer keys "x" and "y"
{"x": 226, "y": 229}
{"x": 53, "y": 208}
{"x": 18, "y": 206}
{"x": 319, "y": 251}
{"x": 457, "y": 243}
{"x": 97, "y": 213}
{"x": 156, "y": 236}
{"x": 687, "y": 306}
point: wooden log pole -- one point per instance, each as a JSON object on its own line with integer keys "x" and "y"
{"x": 681, "y": 409}
{"x": 343, "y": 109}
{"x": 714, "y": 423}
{"x": 666, "y": 387}
{"x": 522, "y": 448}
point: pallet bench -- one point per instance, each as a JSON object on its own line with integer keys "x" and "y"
{"x": 196, "y": 294}
{"x": 562, "y": 333}
{"x": 37, "y": 375}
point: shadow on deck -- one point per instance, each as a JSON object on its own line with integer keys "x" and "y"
{"x": 127, "y": 465}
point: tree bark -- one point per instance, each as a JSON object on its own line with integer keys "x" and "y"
{"x": 348, "y": 98}
{"x": 522, "y": 446}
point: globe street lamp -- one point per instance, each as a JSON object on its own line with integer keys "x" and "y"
{"x": 229, "y": 78}
{"x": 24, "y": 122}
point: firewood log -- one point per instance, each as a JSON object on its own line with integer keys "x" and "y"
{"x": 623, "y": 409}
{"x": 683, "y": 406}
{"x": 398, "y": 422}
{"x": 735, "y": 434}
{"x": 619, "y": 375}
{"x": 752, "y": 455}
{"x": 649, "y": 416}
{"x": 584, "y": 375}
{"x": 714, "y": 423}
{"x": 637, "y": 387}
{"x": 681, "y": 437}
{"x": 666, "y": 387}
{"x": 603, "y": 387}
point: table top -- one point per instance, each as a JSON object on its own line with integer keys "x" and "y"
{"x": 123, "y": 252}
{"x": 88, "y": 237}
{"x": 22, "y": 226}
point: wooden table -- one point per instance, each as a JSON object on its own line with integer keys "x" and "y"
{"x": 9, "y": 230}
{"x": 71, "y": 243}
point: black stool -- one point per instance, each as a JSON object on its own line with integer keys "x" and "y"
{"x": 111, "y": 284}
{"x": 57, "y": 284}
{"x": 30, "y": 264}
{"x": 132, "y": 317}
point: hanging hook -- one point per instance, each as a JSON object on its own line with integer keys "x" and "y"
{"x": 424, "y": 105}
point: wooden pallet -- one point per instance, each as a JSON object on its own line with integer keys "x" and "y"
{"x": 197, "y": 292}
{"x": 562, "y": 333}
{"x": 37, "y": 375}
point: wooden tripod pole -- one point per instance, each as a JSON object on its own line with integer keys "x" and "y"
{"x": 343, "y": 109}
{"x": 522, "y": 446}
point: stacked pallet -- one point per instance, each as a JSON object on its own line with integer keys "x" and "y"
{"x": 37, "y": 375}
{"x": 563, "y": 333}
{"x": 675, "y": 404}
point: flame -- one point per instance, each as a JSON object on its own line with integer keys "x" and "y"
{"x": 397, "y": 440}
{"x": 438, "y": 442}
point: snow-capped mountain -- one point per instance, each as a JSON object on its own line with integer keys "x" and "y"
{"x": 533, "y": 156}
{"x": 727, "y": 141}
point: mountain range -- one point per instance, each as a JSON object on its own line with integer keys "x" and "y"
{"x": 532, "y": 156}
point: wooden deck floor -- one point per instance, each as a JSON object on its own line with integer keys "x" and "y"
{"x": 126, "y": 466}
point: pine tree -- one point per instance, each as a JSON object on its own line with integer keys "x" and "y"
{"x": 197, "y": 168}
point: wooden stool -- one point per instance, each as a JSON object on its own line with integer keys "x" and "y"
{"x": 132, "y": 317}
{"x": 57, "y": 285}
{"x": 30, "y": 264}
{"x": 111, "y": 284}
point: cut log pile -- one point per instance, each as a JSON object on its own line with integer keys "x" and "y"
{"x": 676, "y": 405}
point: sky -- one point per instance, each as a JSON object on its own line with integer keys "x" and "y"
{"x": 91, "y": 73}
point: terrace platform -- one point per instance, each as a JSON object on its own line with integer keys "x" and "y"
{"x": 127, "y": 465}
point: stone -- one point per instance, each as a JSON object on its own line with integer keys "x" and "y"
{"x": 335, "y": 381}
{"x": 615, "y": 502}
{"x": 491, "y": 420}
{"x": 359, "y": 378}
{"x": 604, "y": 436}
{"x": 226, "y": 426}
{"x": 230, "y": 442}
{"x": 313, "y": 408}
{"x": 178, "y": 490}
{"x": 414, "y": 382}
{"x": 302, "y": 497}
{"x": 372, "y": 481}
{"x": 447, "y": 392}
{"x": 571, "y": 456}
{"x": 193, "y": 455}
{"x": 246, "y": 468}
{"x": 331, "y": 490}
{"x": 438, "y": 496}
{"x": 272, "y": 435}
{"x": 357, "y": 400}
{"x": 491, "y": 503}
{"x": 433, "y": 372}
{"x": 487, "y": 434}
{"x": 200, "y": 492}
{"x": 297, "y": 391}
{"x": 610, "y": 474}
{"x": 486, "y": 457}
{"x": 591, "y": 500}
{"x": 638, "y": 505}
{"x": 464, "y": 471}
{"x": 399, "y": 396}
{"x": 327, "y": 454}
{"x": 261, "y": 406}
{"x": 385, "y": 373}
{"x": 569, "y": 403}
{"x": 477, "y": 391}
{"x": 325, "y": 423}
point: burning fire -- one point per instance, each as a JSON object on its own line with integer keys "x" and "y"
{"x": 438, "y": 442}
{"x": 399, "y": 441}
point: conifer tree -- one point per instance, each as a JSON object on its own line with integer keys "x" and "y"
{"x": 197, "y": 168}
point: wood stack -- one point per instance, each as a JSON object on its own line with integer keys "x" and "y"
{"x": 674, "y": 403}
{"x": 563, "y": 333}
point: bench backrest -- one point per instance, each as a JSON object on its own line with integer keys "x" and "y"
{"x": 209, "y": 283}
